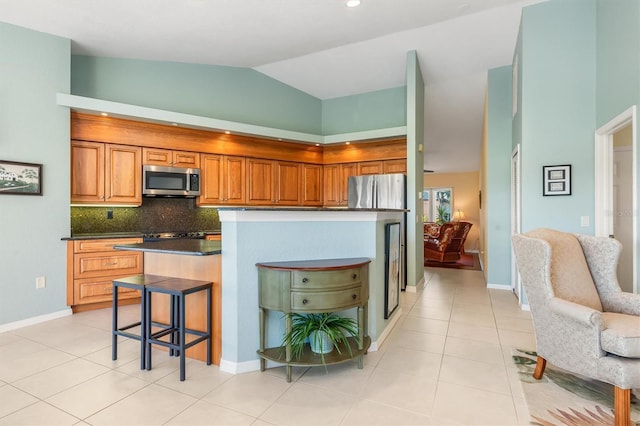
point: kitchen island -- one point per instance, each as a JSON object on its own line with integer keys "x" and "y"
{"x": 261, "y": 235}
{"x": 190, "y": 259}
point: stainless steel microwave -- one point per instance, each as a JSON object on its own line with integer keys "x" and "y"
{"x": 162, "y": 181}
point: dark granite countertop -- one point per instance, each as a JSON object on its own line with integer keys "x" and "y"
{"x": 176, "y": 246}
{"x": 103, "y": 235}
{"x": 98, "y": 236}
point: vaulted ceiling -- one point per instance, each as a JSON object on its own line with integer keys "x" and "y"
{"x": 318, "y": 46}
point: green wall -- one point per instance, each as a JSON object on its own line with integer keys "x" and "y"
{"x": 374, "y": 110}
{"x": 226, "y": 93}
{"x": 33, "y": 129}
{"x": 558, "y": 107}
{"x": 618, "y": 58}
{"x": 497, "y": 201}
{"x": 415, "y": 167}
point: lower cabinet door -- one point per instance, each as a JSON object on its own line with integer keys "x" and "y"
{"x": 99, "y": 290}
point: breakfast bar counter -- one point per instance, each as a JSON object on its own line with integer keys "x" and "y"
{"x": 192, "y": 259}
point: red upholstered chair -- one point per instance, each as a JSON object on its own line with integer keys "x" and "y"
{"x": 449, "y": 243}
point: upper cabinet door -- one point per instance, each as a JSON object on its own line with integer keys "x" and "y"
{"x": 87, "y": 172}
{"x": 288, "y": 179}
{"x": 123, "y": 174}
{"x": 331, "y": 184}
{"x": 395, "y": 166}
{"x": 370, "y": 168}
{"x": 166, "y": 157}
{"x": 189, "y": 160}
{"x": 157, "y": 157}
{"x": 311, "y": 185}
{"x": 235, "y": 174}
{"x": 212, "y": 180}
{"x": 260, "y": 179}
{"x": 223, "y": 180}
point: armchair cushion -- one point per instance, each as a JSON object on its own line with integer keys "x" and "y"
{"x": 622, "y": 335}
{"x": 431, "y": 230}
{"x": 570, "y": 276}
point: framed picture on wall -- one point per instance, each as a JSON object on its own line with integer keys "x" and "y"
{"x": 556, "y": 180}
{"x": 392, "y": 265}
{"x": 20, "y": 178}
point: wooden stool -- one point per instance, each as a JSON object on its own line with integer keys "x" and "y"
{"x": 176, "y": 330}
{"x": 136, "y": 282}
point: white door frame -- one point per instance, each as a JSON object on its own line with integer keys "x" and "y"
{"x": 516, "y": 219}
{"x": 604, "y": 180}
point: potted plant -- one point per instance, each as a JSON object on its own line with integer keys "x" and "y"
{"x": 325, "y": 331}
{"x": 442, "y": 213}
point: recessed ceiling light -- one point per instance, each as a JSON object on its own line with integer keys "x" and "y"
{"x": 104, "y": 114}
{"x": 353, "y": 3}
{"x": 347, "y": 143}
{"x": 227, "y": 132}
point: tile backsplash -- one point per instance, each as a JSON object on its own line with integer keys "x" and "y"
{"x": 155, "y": 215}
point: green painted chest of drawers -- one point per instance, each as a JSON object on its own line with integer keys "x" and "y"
{"x": 314, "y": 286}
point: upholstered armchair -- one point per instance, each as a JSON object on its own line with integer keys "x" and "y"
{"x": 582, "y": 320}
{"x": 448, "y": 243}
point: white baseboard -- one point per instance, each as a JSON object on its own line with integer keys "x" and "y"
{"x": 387, "y": 330}
{"x": 499, "y": 287}
{"x": 239, "y": 367}
{"x": 35, "y": 320}
{"x": 414, "y": 288}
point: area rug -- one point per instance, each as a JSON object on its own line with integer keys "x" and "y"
{"x": 562, "y": 398}
{"x": 468, "y": 261}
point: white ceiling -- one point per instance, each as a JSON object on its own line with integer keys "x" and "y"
{"x": 318, "y": 46}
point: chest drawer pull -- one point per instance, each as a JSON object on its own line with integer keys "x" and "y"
{"x": 354, "y": 276}
{"x": 304, "y": 301}
{"x": 305, "y": 280}
{"x": 354, "y": 296}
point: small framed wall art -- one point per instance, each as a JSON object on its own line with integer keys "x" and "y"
{"x": 556, "y": 180}
{"x": 20, "y": 178}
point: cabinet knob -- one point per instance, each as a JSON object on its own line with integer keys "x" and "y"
{"x": 354, "y": 297}
{"x": 304, "y": 301}
{"x": 354, "y": 276}
{"x": 305, "y": 280}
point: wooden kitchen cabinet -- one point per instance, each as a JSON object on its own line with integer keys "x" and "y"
{"x": 312, "y": 185}
{"x": 223, "y": 180}
{"x": 166, "y": 157}
{"x": 92, "y": 265}
{"x": 105, "y": 173}
{"x": 371, "y": 168}
{"x": 336, "y": 177}
{"x": 271, "y": 182}
{"x": 395, "y": 166}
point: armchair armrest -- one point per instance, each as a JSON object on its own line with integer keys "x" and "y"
{"x": 580, "y": 314}
{"x": 621, "y": 303}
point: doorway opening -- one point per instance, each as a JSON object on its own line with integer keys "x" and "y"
{"x": 616, "y": 193}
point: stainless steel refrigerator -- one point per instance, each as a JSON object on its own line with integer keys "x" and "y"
{"x": 382, "y": 192}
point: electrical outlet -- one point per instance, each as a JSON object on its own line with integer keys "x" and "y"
{"x": 109, "y": 214}
{"x": 41, "y": 282}
{"x": 584, "y": 221}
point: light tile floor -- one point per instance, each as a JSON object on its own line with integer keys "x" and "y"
{"x": 446, "y": 362}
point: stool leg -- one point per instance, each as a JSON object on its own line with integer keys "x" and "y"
{"x": 208, "y": 341}
{"x": 182, "y": 336}
{"x": 148, "y": 327}
{"x": 143, "y": 329}
{"x": 172, "y": 324}
{"x": 114, "y": 320}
